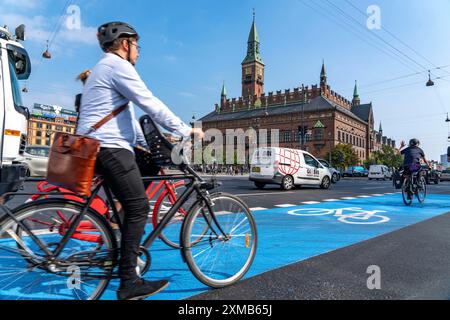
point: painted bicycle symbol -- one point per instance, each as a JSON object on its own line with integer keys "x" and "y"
{"x": 345, "y": 215}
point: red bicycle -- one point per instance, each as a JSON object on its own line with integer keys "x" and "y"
{"x": 166, "y": 189}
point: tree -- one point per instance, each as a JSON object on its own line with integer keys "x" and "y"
{"x": 386, "y": 156}
{"x": 343, "y": 156}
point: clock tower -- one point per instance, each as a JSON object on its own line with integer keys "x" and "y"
{"x": 253, "y": 66}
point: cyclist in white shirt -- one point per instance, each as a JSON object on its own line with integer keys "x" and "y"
{"x": 113, "y": 83}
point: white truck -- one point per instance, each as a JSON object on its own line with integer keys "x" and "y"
{"x": 14, "y": 66}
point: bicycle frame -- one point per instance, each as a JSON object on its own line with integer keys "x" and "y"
{"x": 197, "y": 185}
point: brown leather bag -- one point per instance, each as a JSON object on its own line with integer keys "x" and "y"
{"x": 72, "y": 159}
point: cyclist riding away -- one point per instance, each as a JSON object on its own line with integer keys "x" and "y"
{"x": 413, "y": 155}
{"x": 114, "y": 82}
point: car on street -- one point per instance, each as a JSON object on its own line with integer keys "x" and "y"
{"x": 335, "y": 174}
{"x": 36, "y": 157}
{"x": 355, "y": 171}
{"x": 288, "y": 168}
{"x": 379, "y": 172}
{"x": 431, "y": 175}
{"x": 445, "y": 175}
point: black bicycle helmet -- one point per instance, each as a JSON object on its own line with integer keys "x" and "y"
{"x": 111, "y": 31}
{"x": 414, "y": 143}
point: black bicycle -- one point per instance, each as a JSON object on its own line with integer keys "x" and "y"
{"x": 414, "y": 185}
{"x": 61, "y": 249}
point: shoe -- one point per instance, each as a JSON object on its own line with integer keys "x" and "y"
{"x": 140, "y": 289}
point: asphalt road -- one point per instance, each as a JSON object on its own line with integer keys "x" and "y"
{"x": 412, "y": 249}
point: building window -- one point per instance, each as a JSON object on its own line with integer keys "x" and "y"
{"x": 318, "y": 134}
{"x": 38, "y": 141}
{"x": 59, "y": 128}
{"x": 39, "y": 125}
{"x": 38, "y": 133}
{"x": 287, "y": 136}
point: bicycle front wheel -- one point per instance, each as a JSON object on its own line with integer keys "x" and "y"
{"x": 81, "y": 272}
{"x": 220, "y": 259}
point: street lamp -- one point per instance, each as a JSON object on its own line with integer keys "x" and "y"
{"x": 430, "y": 83}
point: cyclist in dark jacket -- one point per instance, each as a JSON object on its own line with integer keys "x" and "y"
{"x": 413, "y": 155}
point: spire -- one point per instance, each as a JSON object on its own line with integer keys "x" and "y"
{"x": 253, "y": 53}
{"x": 356, "y": 100}
{"x": 224, "y": 90}
{"x": 381, "y": 129}
{"x": 323, "y": 74}
{"x": 355, "y": 92}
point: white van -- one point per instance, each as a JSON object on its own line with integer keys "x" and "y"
{"x": 379, "y": 172}
{"x": 287, "y": 168}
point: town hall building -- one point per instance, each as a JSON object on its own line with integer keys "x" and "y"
{"x": 313, "y": 118}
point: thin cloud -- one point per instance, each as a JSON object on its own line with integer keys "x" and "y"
{"x": 186, "y": 94}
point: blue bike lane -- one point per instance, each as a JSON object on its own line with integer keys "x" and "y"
{"x": 290, "y": 235}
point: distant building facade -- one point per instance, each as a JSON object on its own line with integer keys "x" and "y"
{"x": 314, "y": 118}
{"x": 46, "y": 120}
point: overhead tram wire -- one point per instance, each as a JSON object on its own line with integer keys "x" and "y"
{"x": 373, "y": 84}
{"x": 404, "y": 85}
{"x": 373, "y": 34}
{"x": 398, "y": 39}
{"x": 55, "y": 31}
{"x": 350, "y": 28}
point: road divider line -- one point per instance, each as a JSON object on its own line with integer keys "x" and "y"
{"x": 310, "y": 202}
{"x": 258, "y": 209}
{"x": 348, "y": 198}
{"x": 285, "y": 205}
{"x": 331, "y": 200}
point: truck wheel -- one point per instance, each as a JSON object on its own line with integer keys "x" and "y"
{"x": 325, "y": 183}
{"x": 287, "y": 183}
{"x": 260, "y": 185}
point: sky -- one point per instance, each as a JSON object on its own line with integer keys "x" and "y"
{"x": 190, "y": 47}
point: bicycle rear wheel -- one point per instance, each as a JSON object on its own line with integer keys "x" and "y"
{"x": 219, "y": 260}
{"x": 421, "y": 191}
{"x": 407, "y": 195}
{"x": 81, "y": 272}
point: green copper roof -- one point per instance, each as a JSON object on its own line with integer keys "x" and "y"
{"x": 319, "y": 125}
{"x": 253, "y": 54}
{"x": 224, "y": 90}
{"x": 355, "y": 92}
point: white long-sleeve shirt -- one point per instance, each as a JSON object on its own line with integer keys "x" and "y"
{"x": 115, "y": 82}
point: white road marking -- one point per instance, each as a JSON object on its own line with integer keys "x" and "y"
{"x": 348, "y": 198}
{"x": 364, "y": 197}
{"x": 261, "y": 194}
{"x": 331, "y": 200}
{"x": 257, "y": 209}
{"x": 377, "y": 195}
{"x": 310, "y": 202}
{"x": 285, "y": 205}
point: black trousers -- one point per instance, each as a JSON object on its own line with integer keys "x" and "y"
{"x": 121, "y": 173}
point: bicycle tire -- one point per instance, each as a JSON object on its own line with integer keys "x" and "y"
{"x": 107, "y": 264}
{"x": 421, "y": 181}
{"x": 224, "y": 276}
{"x": 158, "y": 214}
{"x": 407, "y": 198}
{"x": 176, "y": 223}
